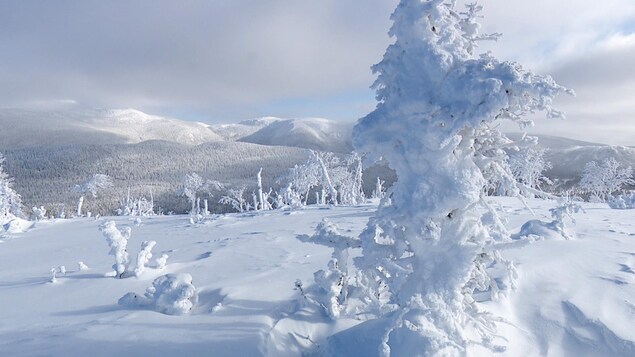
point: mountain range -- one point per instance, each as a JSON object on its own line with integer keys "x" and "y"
{"x": 49, "y": 151}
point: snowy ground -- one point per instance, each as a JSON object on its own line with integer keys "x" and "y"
{"x": 575, "y": 297}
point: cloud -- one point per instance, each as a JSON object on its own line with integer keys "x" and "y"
{"x": 603, "y": 110}
{"x": 203, "y": 54}
{"x": 226, "y": 60}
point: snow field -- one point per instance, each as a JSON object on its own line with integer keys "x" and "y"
{"x": 574, "y": 297}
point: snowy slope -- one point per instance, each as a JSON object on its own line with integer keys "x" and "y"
{"x": 310, "y": 133}
{"x": 574, "y": 297}
{"x": 35, "y": 127}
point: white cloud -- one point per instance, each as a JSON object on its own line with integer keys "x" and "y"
{"x": 246, "y": 58}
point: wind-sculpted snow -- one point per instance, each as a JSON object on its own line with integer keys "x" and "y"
{"x": 573, "y": 297}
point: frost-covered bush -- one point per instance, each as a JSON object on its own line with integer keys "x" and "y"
{"x": 424, "y": 252}
{"x": 171, "y": 294}
{"x": 118, "y": 243}
{"x": 558, "y": 227}
{"x": 625, "y": 201}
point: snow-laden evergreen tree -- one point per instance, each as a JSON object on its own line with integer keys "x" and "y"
{"x": 10, "y": 201}
{"x": 601, "y": 180}
{"x": 426, "y": 250}
{"x": 93, "y": 185}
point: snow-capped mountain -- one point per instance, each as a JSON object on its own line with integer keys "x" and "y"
{"x": 310, "y": 133}
{"x": 36, "y": 127}
{"x": 236, "y": 131}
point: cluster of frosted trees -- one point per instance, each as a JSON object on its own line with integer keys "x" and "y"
{"x": 325, "y": 178}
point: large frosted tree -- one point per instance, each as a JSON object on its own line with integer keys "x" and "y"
{"x": 424, "y": 251}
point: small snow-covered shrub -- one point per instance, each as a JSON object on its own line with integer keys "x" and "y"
{"x": 162, "y": 261}
{"x": 118, "y": 242}
{"x": 331, "y": 285}
{"x": 558, "y": 228}
{"x": 171, "y": 294}
{"x": 144, "y": 256}
{"x": 625, "y": 201}
{"x": 563, "y": 213}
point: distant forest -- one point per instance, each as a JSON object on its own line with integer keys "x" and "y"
{"x": 45, "y": 176}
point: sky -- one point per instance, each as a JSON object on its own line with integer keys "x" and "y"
{"x": 220, "y": 61}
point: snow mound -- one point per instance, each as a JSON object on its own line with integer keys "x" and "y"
{"x": 171, "y": 294}
{"x": 311, "y": 133}
{"x": 17, "y": 225}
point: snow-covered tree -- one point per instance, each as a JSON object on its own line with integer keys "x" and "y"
{"x": 528, "y": 166}
{"x": 334, "y": 180}
{"x": 91, "y": 186}
{"x": 193, "y": 185}
{"x": 601, "y": 180}
{"x": 10, "y": 201}
{"x": 350, "y": 182}
{"x": 379, "y": 192}
{"x": 428, "y": 247}
{"x": 235, "y": 198}
{"x": 132, "y": 206}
